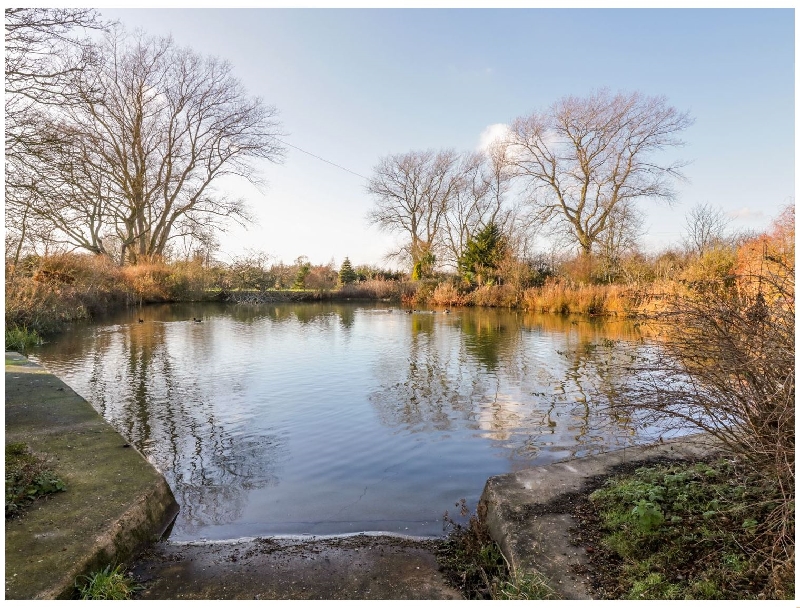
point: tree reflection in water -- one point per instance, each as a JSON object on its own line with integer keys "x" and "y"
{"x": 143, "y": 380}
{"x": 335, "y": 417}
{"x": 526, "y": 382}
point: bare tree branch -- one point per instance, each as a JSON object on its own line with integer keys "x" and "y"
{"x": 156, "y": 128}
{"x": 585, "y": 156}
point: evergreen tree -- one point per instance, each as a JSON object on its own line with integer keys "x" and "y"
{"x": 302, "y": 273}
{"x": 346, "y": 273}
{"x": 482, "y": 254}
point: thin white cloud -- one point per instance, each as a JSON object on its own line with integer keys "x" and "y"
{"x": 746, "y": 214}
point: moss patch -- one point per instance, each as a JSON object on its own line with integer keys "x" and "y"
{"x": 27, "y": 478}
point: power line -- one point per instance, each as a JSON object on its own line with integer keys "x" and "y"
{"x": 320, "y": 158}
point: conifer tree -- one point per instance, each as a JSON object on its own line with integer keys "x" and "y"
{"x": 346, "y": 273}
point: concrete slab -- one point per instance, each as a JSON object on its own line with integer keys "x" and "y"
{"x": 528, "y": 513}
{"x": 115, "y": 503}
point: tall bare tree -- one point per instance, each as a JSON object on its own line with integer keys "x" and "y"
{"x": 156, "y": 129}
{"x": 584, "y": 157}
{"x": 44, "y": 49}
{"x": 413, "y": 192}
{"x": 479, "y": 200}
{"x": 706, "y": 227}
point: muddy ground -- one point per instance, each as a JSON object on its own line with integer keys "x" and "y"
{"x": 357, "y": 567}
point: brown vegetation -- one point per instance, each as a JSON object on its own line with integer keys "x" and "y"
{"x": 727, "y": 368}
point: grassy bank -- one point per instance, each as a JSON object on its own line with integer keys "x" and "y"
{"x": 44, "y": 293}
{"x": 686, "y": 531}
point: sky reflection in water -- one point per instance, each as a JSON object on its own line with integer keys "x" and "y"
{"x": 331, "y": 418}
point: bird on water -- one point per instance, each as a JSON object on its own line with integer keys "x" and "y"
{"x": 197, "y": 320}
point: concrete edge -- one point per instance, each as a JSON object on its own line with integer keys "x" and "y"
{"x": 148, "y": 517}
{"x": 123, "y": 539}
{"x": 512, "y": 506}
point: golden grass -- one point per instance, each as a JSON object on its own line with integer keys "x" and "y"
{"x": 560, "y": 297}
{"x": 375, "y": 289}
{"x": 446, "y": 294}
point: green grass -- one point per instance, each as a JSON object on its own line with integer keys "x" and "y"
{"x": 107, "y": 584}
{"x": 528, "y": 586}
{"x": 27, "y": 478}
{"x": 687, "y": 532}
{"x": 21, "y": 339}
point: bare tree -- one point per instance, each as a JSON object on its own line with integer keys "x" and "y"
{"x": 42, "y": 55}
{"x": 585, "y": 156}
{"x": 479, "y": 201}
{"x": 622, "y": 234}
{"x": 413, "y": 193}
{"x": 706, "y": 228}
{"x": 156, "y": 129}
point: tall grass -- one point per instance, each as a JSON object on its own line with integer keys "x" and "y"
{"x": 447, "y": 294}
{"x": 496, "y": 296}
{"x": 561, "y": 297}
{"x": 375, "y": 289}
{"x": 21, "y": 339}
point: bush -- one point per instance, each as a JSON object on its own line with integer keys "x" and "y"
{"x": 727, "y": 368}
{"x": 43, "y": 293}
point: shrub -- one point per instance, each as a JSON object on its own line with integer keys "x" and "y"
{"x": 726, "y": 367}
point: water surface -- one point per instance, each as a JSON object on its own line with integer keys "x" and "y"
{"x": 337, "y": 418}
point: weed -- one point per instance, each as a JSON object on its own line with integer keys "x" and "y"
{"x": 684, "y": 531}
{"x": 474, "y": 563}
{"x": 21, "y": 339}
{"x": 27, "y": 479}
{"x": 107, "y": 584}
{"x": 529, "y": 586}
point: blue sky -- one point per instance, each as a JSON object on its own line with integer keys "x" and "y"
{"x": 353, "y": 85}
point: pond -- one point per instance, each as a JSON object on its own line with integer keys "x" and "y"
{"x": 295, "y": 419}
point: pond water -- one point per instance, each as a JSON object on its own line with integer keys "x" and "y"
{"x": 291, "y": 419}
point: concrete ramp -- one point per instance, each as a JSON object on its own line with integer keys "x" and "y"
{"x": 115, "y": 503}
